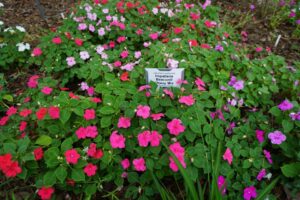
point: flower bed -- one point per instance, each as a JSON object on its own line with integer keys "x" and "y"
{"x": 93, "y": 119}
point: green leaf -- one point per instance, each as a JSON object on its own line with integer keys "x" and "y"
{"x": 8, "y": 98}
{"x": 287, "y": 126}
{"x": 50, "y": 157}
{"x": 44, "y": 140}
{"x": 66, "y": 144}
{"x": 219, "y": 133}
{"x": 90, "y": 189}
{"x": 291, "y": 170}
{"x": 61, "y": 173}
{"x": 64, "y": 115}
{"x": 78, "y": 175}
{"x": 107, "y": 110}
{"x": 9, "y": 147}
{"x": 275, "y": 111}
{"x": 105, "y": 121}
{"x": 267, "y": 190}
{"x": 49, "y": 179}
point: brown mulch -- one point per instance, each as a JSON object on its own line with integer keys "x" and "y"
{"x": 36, "y": 16}
{"x": 259, "y": 29}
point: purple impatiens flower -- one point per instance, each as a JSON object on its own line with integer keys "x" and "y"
{"x": 295, "y": 116}
{"x": 250, "y": 192}
{"x": 236, "y": 84}
{"x": 260, "y": 135}
{"x": 221, "y": 184}
{"x": 268, "y": 156}
{"x": 277, "y": 137}
{"x": 285, "y": 105}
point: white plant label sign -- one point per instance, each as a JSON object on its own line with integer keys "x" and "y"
{"x": 165, "y": 77}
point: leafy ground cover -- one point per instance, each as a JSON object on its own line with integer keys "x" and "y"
{"x": 88, "y": 124}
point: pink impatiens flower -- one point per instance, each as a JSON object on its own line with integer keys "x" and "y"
{"x": 155, "y": 138}
{"x": 249, "y": 193}
{"x": 187, "y": 100}
{"x": 154, "y": 36}
{"x": 179, "y": 152}
{"x": 144, "y": 138}
{"x": 54, "y": 112}
{"x": 94, "y": 152}
{"x": 89, "y": 114}
{"x": 72, "y": 156}
{"x": 169, "y": 93}
{"x": 45, "y": 193}
{"x": 11, "y": 111}
{"x": 200, "y": 84}
{"x": 90, "y": 169}
{"x": 139, "y": 164}
{"x": 157, "y": 116}
{"x": 125, "y": 163}
{"x": 228, "y": 156}
{"x": 143, "y": 111}
{"x": 175, "y": 127}
{"x": 46, "y": 90}
{"x": 33, "y": 83}
{"x": 57, "y": 40}
{"x": 70, "y": 61}
{"x": 277, "y": 137}
{"x": 124, "y": 122}
{"x": 116, "y": 140}
{"x": 36, "y": 52}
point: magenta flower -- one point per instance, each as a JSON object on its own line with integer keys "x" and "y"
{"x": 187, "y": 100}
{"x": 89, "y": 114}
{"x": 125, "y": 163}
{"x": 260, "y": 135}
{"x": 228, "y": 156}
{"x": 155, "y": 139}
{"x": 221, "y": 184}
{"x": 124, "y": 54}
{"x": 250, "y": 192}
{"x": 124, "y": 122}
{"x": 153, "y": 36}
{"x": 179, "y": 151}
{"x": 157, "y": 116}
{"x": 46, "y": 90}
{"x": 295, "y": 116}
{"x": 200, "y": 84}
{"x": 116, "y": 140}
{"x": 139, "y": 164}
{"x": 261, "y": 174}
{"x": 169, "y": 93}
{"x": 143, "y": 111}
{"x": 285, "y": 105}
{"x": 175, "y": 127}
{"x": 277, "y": 137}
{"x": 144, "y": 138}
{"x": 268, "y": 156}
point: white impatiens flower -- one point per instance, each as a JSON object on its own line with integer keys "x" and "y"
{"x": 20, "y": 28}
{"x": 155, "y": 11}
{"x": 9, "y": 29}
{"x": 1, "y": 5}
{"x": 23, "y": 46}
{"x": 1, "y": 23}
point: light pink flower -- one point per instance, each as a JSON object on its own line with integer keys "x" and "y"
{"x": 124, "y": 122}
{"x": 200, "y": 84}
{"x": 144, "y": 87}
{"x": 143, "y": 111}
{"x": 175, "y": 127}
{"x": 139, "y": 164}
{"x": 116, "y": 140}
{"x": 228, "y": 156}
{"x": 187, "y": 100}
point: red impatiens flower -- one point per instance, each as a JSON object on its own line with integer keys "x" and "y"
{"x": 41, "y": 113}
{"x": 9, "y": 167}
{"x": 178, "y": 30}
{"x": 45, "y": 193}
{"x": 11, "y": 111}
{"x": 124, "y": 76}
{"x": 4, "y": 120}
{"x": 22, "y": 126}
{"x": 38, "y": 153}
{"x": 78, "y": 42}
{"x": 72, "y": 156}
{"x": 25, "y": 112}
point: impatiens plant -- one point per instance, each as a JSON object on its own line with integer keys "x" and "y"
{"x": 94, "y": 120}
